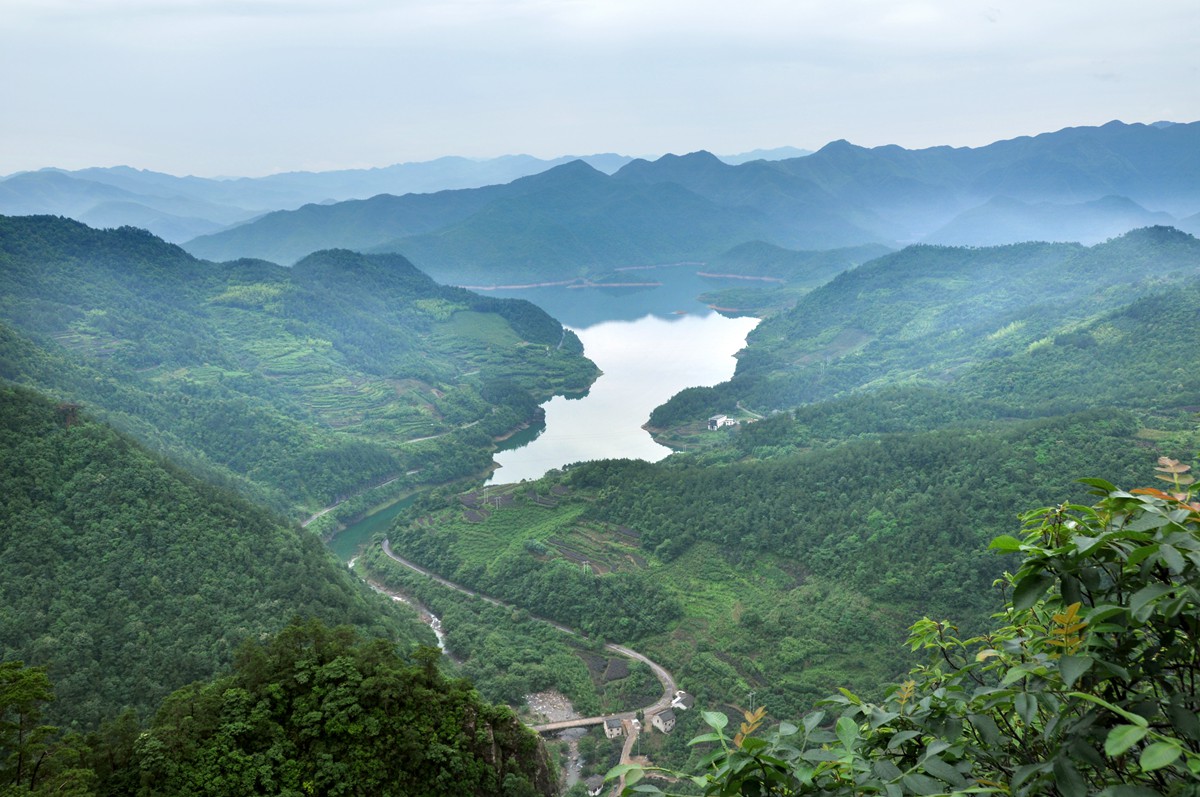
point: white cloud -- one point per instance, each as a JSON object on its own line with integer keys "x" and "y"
{"x": 255, "y": 85}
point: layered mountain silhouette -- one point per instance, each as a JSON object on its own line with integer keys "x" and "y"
{"x": 1086, "y": 184}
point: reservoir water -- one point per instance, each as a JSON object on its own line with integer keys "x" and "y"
{"x": 650, "y": 342}
{"x": 348, "y": 543}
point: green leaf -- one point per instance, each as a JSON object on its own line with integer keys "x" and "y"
{"x": 1104, "y": 487}
{"x": 847, "y": 732}
{"x": 853, "y": 698}
{"x": 1142, "y": 552}
{"x": 1072, "y": 667}
{"x": 1139, "y": 601}
{"x": 881, "y": 717}
{"x": 1104, "y": 611}
{"x": 1159, "y": 755}
{"x": 1184, "y": 721}
{"x": 706, "y": 737}
{"x": 1148, "y": 521}
{"x": 619, "y": 770}
{"x": 819, "y": 755}
{"x": 1026, "y": 705}
{"x": 1121, "y": 738}
{"x": 986, "y": 727}
{"x": 921, "y": 784}
{"x": 943, "y": 771}
{"x": 902, "y": 737}
{"x": 1030, "y": 589}
{"x": 1006, "y": 543}
{"x": 885, "y": 769}
{"x": 1134, "y": 718}
{"x": 1086, "y": 544}
{"x": 1068, "y": 780}
{"x": 812, "y": 720}
{"x": 1172, "y": 558}
{"x": 752, "y": 744}
{"x": 715, "y": 719}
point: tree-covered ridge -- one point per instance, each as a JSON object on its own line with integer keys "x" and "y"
{"x": 128, "y": 578}
{"x": 308, "y": 383}
{"x": 310, "y": 710}
{"x": 930, "y": 315}
{"x": 324, "y": 711}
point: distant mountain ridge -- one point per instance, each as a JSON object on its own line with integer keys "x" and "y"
{"x": 574, "y": 220}
{"x": 179, "y": 208}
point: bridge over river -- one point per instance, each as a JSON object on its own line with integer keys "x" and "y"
{"x": 664, "y": 677}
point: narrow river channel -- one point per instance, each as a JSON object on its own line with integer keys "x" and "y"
{"x": 349, "y": 542}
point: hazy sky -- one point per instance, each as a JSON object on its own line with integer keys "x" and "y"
{"x": 251, "y": 87}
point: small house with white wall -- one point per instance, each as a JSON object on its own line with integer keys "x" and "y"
{"x": 594, "y": 785}
{"x": 613, "y": 727}
{"x": 683, "y": 701}
{"x": 664, "y": 720}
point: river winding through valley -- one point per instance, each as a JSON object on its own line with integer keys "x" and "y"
{"x": 650, "y": 343}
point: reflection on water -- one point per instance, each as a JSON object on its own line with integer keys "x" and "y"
{"x": 646, "y": 359}
{"x": 348, "y": 543}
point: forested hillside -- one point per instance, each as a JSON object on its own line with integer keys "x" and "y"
{"x": 299, "y": 386}
{"x": 935, "y": 315}
{"x": 931, "y": 395}
{"x": 128, "y": 578}
{"x": 310, "y": 710}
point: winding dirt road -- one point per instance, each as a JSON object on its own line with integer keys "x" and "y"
{"x": 664, "y": 677}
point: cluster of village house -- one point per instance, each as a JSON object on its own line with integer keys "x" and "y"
{"x": 664, "y": 721}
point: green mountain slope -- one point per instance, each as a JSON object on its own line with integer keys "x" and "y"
{"x": 304, "y": 384}
{"x": 925, "y": 314}
{"x": 128, "y": 578}
{"x": 579, "y": 222}
{"x": 788, "y": 556}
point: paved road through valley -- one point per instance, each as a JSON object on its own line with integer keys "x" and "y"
{"x": 664, "y": 677}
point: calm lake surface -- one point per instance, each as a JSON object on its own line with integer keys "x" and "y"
{"x": 650, "y": 342}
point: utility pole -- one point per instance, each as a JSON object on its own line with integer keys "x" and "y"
{"x": 751, "y": 701}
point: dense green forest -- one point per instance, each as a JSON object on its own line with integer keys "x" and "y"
{"x": 298, "y": 386}
{"x": 310, "y": 710}
{"x": 127, "y": 578}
